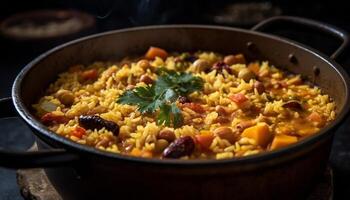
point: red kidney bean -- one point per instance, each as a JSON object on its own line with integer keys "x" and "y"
{"x": 259, "y": 86}
{"x": 295, "y": 105}
{"x": 220, "y": 66}
{"x": 95, "y": 122}
{"x": 183, "y": 146}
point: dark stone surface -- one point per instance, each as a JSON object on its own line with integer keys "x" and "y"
{"x": 15, "y": 135}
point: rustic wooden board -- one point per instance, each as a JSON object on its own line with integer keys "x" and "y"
{"x": 34, "y": 185}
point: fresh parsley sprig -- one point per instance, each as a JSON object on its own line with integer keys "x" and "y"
{"x": 162, "y": 95}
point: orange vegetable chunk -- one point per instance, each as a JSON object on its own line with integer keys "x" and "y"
{"x": 154, "y": 52}
{"x": 254, "y": 67}
{"x": 141, "y": 153}
{"x": 205, "y": 139}
{"x": 260, "y": 133}
{"x": 315, "y": 117}
{"x": 78, "y": 132}
{"x": 90, "y": 74}
{"x": 136, "y": 152}
{"x": 238, "y": 98}
{"x": 282, "y": 141}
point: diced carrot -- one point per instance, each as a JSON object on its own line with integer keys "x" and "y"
{"x": 53, "y": 118}
{"x": 260, "y": 133}
{"x": 238, "y": 98}
{"x": 254, "y": 67}
{"x": 154, "y": 52}
{"x": 282, "y": 141}
{"x": 146, "y": 154}
{"x": 140, "y": 153}
{"x": 195, "y": 107}
{"x": 315, "y": 117}
{"x": 136, "y": 152}
{"x": 204, "y": 139}
{"x": 78, "y": 132}
{"x": 90, "y": 74}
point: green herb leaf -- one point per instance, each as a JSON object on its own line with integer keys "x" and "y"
{"x": 164, "y": 115}
{"x": 183, "y": 83}
{"x": 162, "y": 95}
{"x": 177, "y": 117}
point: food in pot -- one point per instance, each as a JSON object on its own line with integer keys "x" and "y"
{"x": 201, "y": 105}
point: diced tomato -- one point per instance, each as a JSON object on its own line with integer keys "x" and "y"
{"x": 90, "y": 74}
{"x": 78, "y": 132}
{"x": 195, "y": 107}
{"x": 238, "y": 98}
{"x": 315, "y": 117}
{"x": 52, "y": 118}
{"x": 154, "y": 52}
{"x": 205, "y": 139}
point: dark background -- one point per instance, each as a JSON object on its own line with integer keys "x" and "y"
{"x": 120, "y": 14}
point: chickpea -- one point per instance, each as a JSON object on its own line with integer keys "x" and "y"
{"x": 160, "y": 145}
{"x": 246, "y": 74}
{"x": 66, "y": 97}
{"x": 146, "y": 79}
{"x": 201, "y": 65}
{"x": 144, "y": 64}
{"x": 234, "y": 59}
{"x": 230, "y": 59}
{"x": 167, "y": 135}
{"x": 225, "y": 133}
{"x": 240, "y": 59}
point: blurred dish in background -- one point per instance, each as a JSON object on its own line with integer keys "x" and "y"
{"x": 244, "y": 14}
{"x": 46, "y": 24}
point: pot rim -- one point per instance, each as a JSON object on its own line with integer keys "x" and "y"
{"x": 303, "y": 144}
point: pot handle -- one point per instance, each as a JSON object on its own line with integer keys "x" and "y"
{"x": 24, "y": 159}
{"x": 320, "y": 26}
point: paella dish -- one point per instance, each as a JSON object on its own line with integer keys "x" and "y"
{"x": 184, "y": 105}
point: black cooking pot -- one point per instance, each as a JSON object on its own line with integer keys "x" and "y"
{"x": 82, "y": 172}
